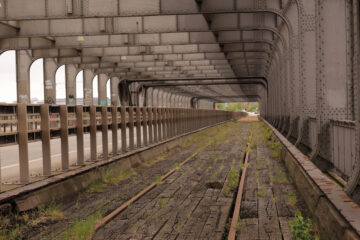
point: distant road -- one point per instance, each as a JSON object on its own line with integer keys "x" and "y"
{"x": 10, "y": 154}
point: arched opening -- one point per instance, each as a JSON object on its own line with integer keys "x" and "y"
{"x": 60, "y": 80}
{"x": 80, "y": 88}
{"x": 108, "y": 92}
{"x": 8, "y": 90}
{"x": 37, "y": 82}
{"x": 95, "y": 90}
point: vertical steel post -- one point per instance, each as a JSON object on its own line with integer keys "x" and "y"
{"x": 80, "y": 135}
{"x": 45, "y": 139}
{"x": 172, "y": 120}
{"x": 138, "y": 127}
{"x": 144, "y": 119}
{"x": 169, "y": 123}
{"x": 114, "y": 128}
{"x": 150, "y": 123}
{"x": 93, "y": 142}
{"x": 23, "y": 142}
{"x": 104, "y": 130}
{"x": 163, "y": 123}
{"x": 159, "y": 117}
{"x": 64, "y": 134}
{"x": 131, "y": 128}
{"x": 123, "y": 128}
{"x": 155, "y": 124}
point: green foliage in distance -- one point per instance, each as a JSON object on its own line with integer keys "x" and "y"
{"x": 239, "y": 106}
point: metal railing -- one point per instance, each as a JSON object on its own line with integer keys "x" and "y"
{"x": 342, "y": 133}
{"x": 20, "y": 123}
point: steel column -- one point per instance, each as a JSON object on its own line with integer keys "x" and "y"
{"x": 80, "y": 135}
{"x": 150, "y": 125}
{"x": 123, "y": 129}
{"x": 104, "y": 130}
{"x": 155, "y": 124}
{"x": 138, "y": 127}
{"x": 45, "y": 139}
{"x": 64, "y": 134}
{"x": 93, "y": 142}
{"x": 145, "y": 131}
{"x": 131, "y": 128}
{"x": 23, "y": 142}
{"x": 114, "y": 128}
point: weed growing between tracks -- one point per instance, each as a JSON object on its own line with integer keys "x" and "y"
{"x": 83, "y": 229}
{"x": 302, "y": 228}
{"x": 109, "y": 177}
{"x": 14, "y": 225}
{"x": 232, "y": 183}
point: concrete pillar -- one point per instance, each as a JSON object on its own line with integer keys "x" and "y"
{"x": 154, "y": 97}
{"x": 141, "y": 97}
{"x": 115, "y": 98}
{"x": 170, "y": 102}
{"x": 70, "y": 76}
{"x": 88, "y": 87}
{"x": 165, "y": 99}
{"x": 23, "y": 62}
{"x": 149, "y": 97}
{"x": 49, "y": 68}
{"x": 161, "y": 98}
{"x": 103, "y": 78}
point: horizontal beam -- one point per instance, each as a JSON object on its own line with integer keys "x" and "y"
{"x": 123, "y": 40}
{"x": 13, "y": 10}
{"x": 200, "y": 79}
{"x": 186, "y": 84}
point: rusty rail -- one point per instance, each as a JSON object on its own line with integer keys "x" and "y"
{"x": 236, "y": 213}
{"x": 117, "y": 211}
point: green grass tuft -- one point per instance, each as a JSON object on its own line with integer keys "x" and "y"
{"x": 302, "y": 228}
{"x": 261, "y": 192}
{"x": 232, "y": 183}
{"x": 83, "y": 229}
{"x": 162, "y": 202}
{"x": 158, "y": 180}
{"x": 281, "y": 178}
{"x": 96, "y": 187}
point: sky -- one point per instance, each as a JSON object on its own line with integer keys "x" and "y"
{"x": 8, "y": 80}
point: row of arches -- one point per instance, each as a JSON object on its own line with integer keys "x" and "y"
{"x": 37, "y": 83}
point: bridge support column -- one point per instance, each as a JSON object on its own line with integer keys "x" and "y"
{"x": 102, "y": 89}
{"x": 88, "y": 87}
{"x": 23, "y": 62}
{"x": 115, "y": 97}
{"x": 49, "y": 68}
{"x": 70, "y": 75}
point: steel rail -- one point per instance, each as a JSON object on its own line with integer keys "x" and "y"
{"x": 234, "y": 220}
